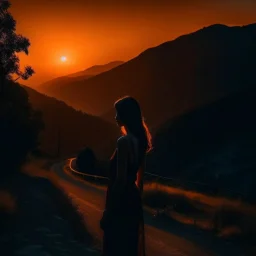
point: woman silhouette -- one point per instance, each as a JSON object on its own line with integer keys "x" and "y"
{"x": 122, "y": 220}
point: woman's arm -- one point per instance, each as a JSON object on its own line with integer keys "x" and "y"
{"x": 121, "y": 176}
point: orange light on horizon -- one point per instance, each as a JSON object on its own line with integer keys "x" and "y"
{"x": 101, "y": 33}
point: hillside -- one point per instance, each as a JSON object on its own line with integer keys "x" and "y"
{"x": 174, "y": 77}
{"x": 215, "y": 144}
{"x": 75, "y": 129}
{"x": 54, "y": 86}
{"x": 97, "y": 69}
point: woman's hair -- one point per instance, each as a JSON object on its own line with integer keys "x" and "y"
{"x": 129, "y": 113}
{"x": 130, "y": 116}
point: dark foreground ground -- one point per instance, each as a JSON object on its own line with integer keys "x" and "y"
{"x": 38, "y": 219}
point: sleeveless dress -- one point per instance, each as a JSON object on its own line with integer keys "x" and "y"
{"x": 124, "y": 233}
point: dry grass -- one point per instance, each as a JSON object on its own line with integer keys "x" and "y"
{"x": 225, "y": 216}
{"x": 67, "y": 208}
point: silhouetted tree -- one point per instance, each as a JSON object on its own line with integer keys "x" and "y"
{"x": 19, "y": 129}
{"x": 11, "y": 44}
{"x": 20, "y": 124}
{"x": 86, "y": 160}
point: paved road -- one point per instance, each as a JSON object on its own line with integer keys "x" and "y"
{"x": 163, "y": 237}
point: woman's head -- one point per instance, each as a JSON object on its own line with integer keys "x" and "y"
{"x": 129, "y": 118}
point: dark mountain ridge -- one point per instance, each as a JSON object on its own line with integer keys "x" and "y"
{"x": 175, "y": 77}
{"x": 71, "y": 130}
{"x": 54, "y": 86}
{"x": 214, "y": 145}
{"x": 97, "y": 69}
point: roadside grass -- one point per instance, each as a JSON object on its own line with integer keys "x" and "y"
{"x": 228, "y": 218}
{"x": 66, "y": 206}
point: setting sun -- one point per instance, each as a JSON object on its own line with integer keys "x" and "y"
{"x": 63, "y": 58}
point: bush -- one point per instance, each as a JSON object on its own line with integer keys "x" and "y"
{"x": 86, "y": 161}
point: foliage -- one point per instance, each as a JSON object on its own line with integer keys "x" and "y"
{"x": 20, "y": 125}
{"x": 11, "y": 43}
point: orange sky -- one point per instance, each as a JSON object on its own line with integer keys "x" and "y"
{"x": 90, "y": 32}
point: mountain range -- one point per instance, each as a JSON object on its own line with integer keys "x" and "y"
{"x": 172, "y": 78}
{"x": 97, "y": 69}
{"x": 56, "y": 85}
{"x": 198, "y": 95}
{"x": 71, "y": 130}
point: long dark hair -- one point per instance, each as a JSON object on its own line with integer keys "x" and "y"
{"x": 130, "y": 115}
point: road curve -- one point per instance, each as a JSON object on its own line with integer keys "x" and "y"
{"x": 163, "y": 238}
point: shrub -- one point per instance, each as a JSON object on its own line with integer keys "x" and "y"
{"x": 86, "y": 161}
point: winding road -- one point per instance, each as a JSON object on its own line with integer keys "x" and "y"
{"x": 163, "y": 237}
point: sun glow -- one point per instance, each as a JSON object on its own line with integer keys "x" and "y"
{"x": 63, "y": 58}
